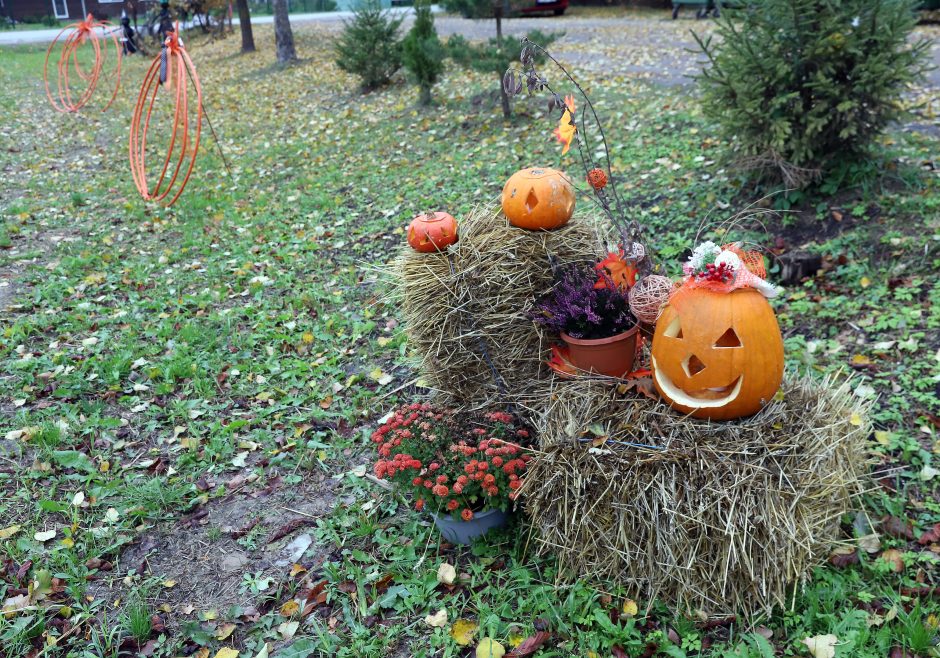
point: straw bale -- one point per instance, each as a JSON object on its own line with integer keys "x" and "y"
{"x": 718, "y": 518}
{"x": 465, "y": 311}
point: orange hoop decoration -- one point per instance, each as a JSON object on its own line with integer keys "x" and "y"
{"x": 79, "y": 34}
{"x": 172, "y": 62}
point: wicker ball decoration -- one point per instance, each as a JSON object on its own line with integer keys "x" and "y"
{"x": 649, "y": 296}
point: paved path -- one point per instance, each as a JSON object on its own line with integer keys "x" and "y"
{"x": 647, "y": 46}
{"x": 17, "y": 37}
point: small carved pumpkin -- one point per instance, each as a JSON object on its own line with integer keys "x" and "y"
{"x": 718, "y": 355}
{"x": 433, "y": 231}
{"x": 538, "y": 199}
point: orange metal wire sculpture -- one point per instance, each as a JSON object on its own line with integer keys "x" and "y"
{"x": 79, "y": 34}
{"x": 171, "y": 66}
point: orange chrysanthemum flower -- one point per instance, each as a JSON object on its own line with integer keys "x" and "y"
{"x": 566, "y": 129}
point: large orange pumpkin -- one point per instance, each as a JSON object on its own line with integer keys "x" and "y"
{"x": 433, "y": 231}
{"x": 718, "y": 355}
{"x": 538, "y": 199}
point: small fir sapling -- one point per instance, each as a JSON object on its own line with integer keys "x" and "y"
{"x": 369, "y": 46}
{"x": 423, "y": 53}
{"x": 494, "y": 56}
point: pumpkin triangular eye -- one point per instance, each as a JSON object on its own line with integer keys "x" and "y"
{"x": 693, "y": 366}
{"x": 531, "y": 201}
{"x": 674, "y": 330}
{"x": 728, "y": 339}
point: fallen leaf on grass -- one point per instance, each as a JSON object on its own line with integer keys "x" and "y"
{"x": 6, "y": 533}
{"x": 438, "y": 619}
{"x": 530, "y": 645}
{"x": 900, "y": 528}
{"x": 870, "y": 543}
{"x": 463, "y": 631}
{"x": 882, "y": 437}
{"x": 290, "y": 608}
{"x": 822, "y": 646}
{"x": 380, "y": 377}
{"x": 226, "y": 652}
{"x": 490, "y": 648}
{"x": 843, "y": 556}
{"x": 893, "y": 557}
{"x": 224, "y": 631}
{"x": 15, "y": 603}
{"x": 929, "y": 536}
{"x": 446, "y": 574}
{"x": 288, "y": 629}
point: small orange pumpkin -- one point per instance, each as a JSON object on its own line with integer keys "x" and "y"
{"x": 719, "y": 355}
{"x": 538, "y": 199}
{"x": 433, "y": 231}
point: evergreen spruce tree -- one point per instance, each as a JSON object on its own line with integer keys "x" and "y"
{"x": 369, "y": 45}
{"x": 423, "y": 52}
{"x": 801, "y": 86}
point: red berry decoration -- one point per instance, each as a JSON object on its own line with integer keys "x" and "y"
{"x": 597, "y": 179}
{"x": 720, "y": 273}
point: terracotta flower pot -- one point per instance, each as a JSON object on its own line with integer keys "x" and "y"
{"x": 606, "y": 356}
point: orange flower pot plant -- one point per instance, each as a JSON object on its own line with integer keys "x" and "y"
{"x": 462, "y": 469}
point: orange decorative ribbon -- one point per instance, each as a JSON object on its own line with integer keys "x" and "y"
{"x": 79, "y": 34}
{"x": 185, "y": 137}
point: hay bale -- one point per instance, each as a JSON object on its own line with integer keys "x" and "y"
{"x": 465, "y": 311}
{"x": 719, "y": 517}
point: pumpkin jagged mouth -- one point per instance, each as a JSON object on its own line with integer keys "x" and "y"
{"x": 708, "y": 398}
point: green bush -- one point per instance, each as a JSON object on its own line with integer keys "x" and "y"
{"x": 496, "y": 55}
{"x": 423, "y": 52}
{"x": 369, "y": 46}
{"x": 800, "y": 86}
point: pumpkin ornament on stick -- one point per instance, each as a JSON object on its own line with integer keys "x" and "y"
{"x": 81, "y": 62}
{"x": 717, "y": 352}
{"x": 173, "y": 71}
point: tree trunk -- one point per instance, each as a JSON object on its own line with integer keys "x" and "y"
{"x": 244, "y": 22}
{"x": 283, "y": 36}
{"x": 504, "y": 97}
{"x": 425, "y": 98}
{"x": 498, "y": 14}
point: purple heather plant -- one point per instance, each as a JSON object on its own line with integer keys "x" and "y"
{"x": 581, "y": 308}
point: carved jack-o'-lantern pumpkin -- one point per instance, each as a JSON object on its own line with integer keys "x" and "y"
{"x": 433, "y": 231}
{"x": 718, "y": 355}
{"x": 538, "y": 199}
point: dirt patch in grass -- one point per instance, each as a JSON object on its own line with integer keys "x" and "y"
{"x": 233, "y": 552}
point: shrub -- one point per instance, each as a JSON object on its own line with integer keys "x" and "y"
{"x": 369, "y": 46}
{"x": 800, "y": 85}
{"x": 495, "y": 56}
{"x": 423, "y": 52}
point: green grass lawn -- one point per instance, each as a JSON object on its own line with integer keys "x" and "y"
{"x": 185, "y": 391}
